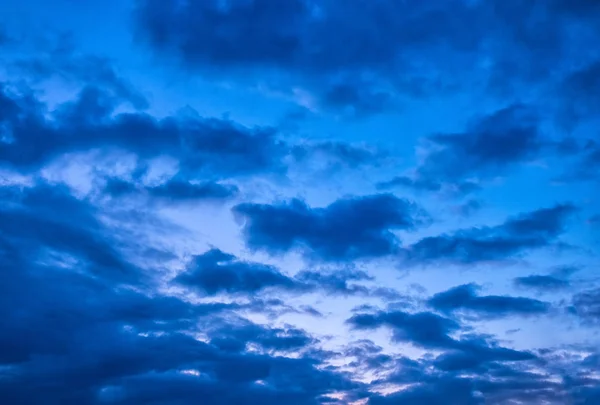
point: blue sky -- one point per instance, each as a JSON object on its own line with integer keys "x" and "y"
{"x": 299, "y": 202}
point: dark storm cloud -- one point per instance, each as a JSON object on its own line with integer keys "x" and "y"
{"x": 466, "y": 298}
{"x": 517, "y": 235}
{"x": 542, "y": 283}
{"x": 347, "y": 229}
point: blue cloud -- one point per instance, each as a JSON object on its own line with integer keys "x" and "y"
{"x": 109, "y": 201}
{"x": 466, "y": 298}
{"x": 215, "y": 272}
{"x": 586, "y": 304}
{"x": 431, "y": 331}
{"x": 363, "y": 56}
{"x": 347, "y": 229}
{"x": 542, "y": 283}
{"x": 516, "y": 235}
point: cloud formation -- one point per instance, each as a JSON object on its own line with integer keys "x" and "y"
{"x": 347, "y": 229}
{"x": 532, "y": 230}
{"x": 382, "y": 51}
{"x": 132, "y": 166}
{"x": 466, "y": 298}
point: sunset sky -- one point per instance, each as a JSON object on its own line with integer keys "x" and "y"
{"x": 299, "y": 202}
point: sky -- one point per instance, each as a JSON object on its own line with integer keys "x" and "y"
{"x": 299, "y": 202}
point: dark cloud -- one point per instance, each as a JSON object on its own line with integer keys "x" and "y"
{"x": 174, "y": 190}
{"x": 594, "y": 220}
{"x": 430, "y": 331}
{"x": 469, "y": 207}
{"x": 347, "y": 229}
{"x": 357, "y": 98}
{"x": 338, "y": 153}
{"x": 586, "y": 304}
{"x": 487, "y": 148}
{"x": 199, "y": 144}
{"x": 181, "y": 190}
{"x": 217, "y": 272}
{"x": 449, "y": 391}
{"x": 58, "y": 57}
{"x": 85, "y": 337}
{"x": 235, "y": 337}
{"x": 517, "y": 235}
{"x": 466, "y": 298}
{"x": 424, "y": 329}
{"x": 493, "y": 382}
{"x": 365, "y": 56}
{"x": 580, "y": 90}
{"x": 34, "y": 135}
{"x": 367, "y": 356}
{"x": 48, "y": 221}
{"x": 339, "y": 282}
{"x": 542, "y": 283}
{"x": 405, "y": 181}
{"x": 586, "y": 166}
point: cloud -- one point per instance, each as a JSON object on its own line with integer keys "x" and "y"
{"x": 90, "y": 122}
{"x": 57, "y": 57}
{"x": 173, "y": 190}
{"x": 587, "y": 163}
{"x": 450, "y": 391}
{"x": 489, "y": 147}
{"x": 235, "y": 337}
{"x": 492, "y": 382}
{"x": 34, "y": 135}
{"x": 366, "y": 56}
{"x": 466, "y": 298}
{"x": 46, "y": 220}
{"x": 405, "y": 181}
{"x": 217, "y": 272}
{"x": 586, "y": 304}
{"x": 542, "y": 283}
{"x": 338, "y": 153}
{"x": 90, "y": 337}
{"x": 531, "y": 230}
{"x": 431, "y": 331}
{"x": 580, "y": 90}
{"x": 347, "y": 229}
{"x": 337, "y": 282}
{"x": 424, "y": 329}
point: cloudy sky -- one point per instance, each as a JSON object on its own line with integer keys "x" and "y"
{"x": 301, "y": 202}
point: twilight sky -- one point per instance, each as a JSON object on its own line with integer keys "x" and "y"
{"x": 299, "y": 202}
